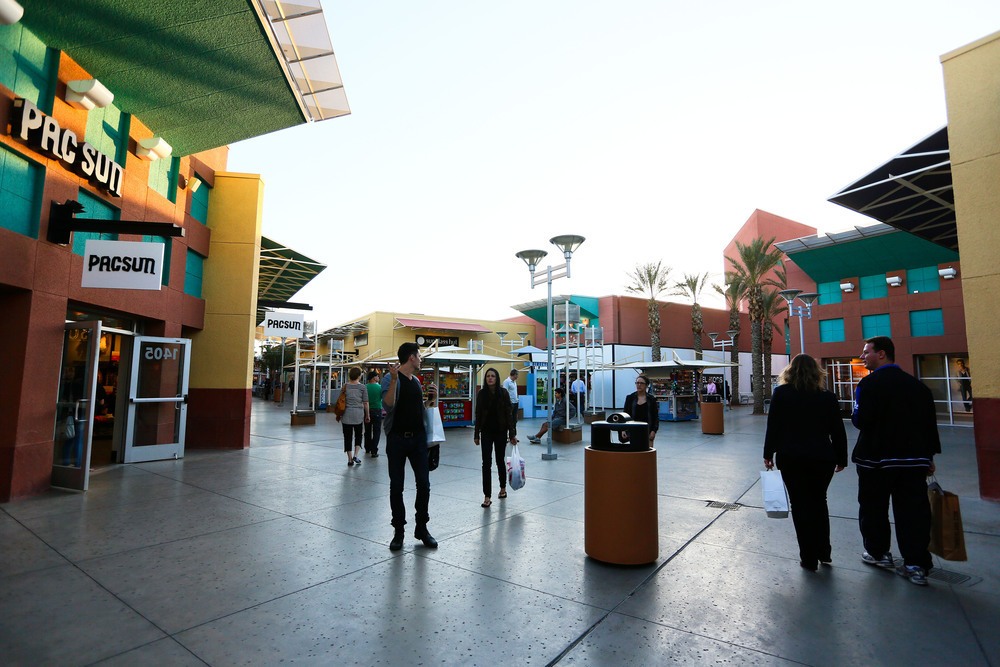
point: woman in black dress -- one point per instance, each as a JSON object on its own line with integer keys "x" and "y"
{"x": 641, "y": 406}
{"x": 495, "y": 425}
{"x": 806, "y": 431}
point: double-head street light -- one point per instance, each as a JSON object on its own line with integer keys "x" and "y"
{"x": 804, "y": 310}
{"x": 724, "y": 343}
{"x": 568, "y": 243}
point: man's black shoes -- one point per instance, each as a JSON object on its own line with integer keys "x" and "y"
{"x": 397, "y": 541}
{"x": 424, "y": 536}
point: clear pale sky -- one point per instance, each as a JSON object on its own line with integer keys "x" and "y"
{"x": 652, "y": 128}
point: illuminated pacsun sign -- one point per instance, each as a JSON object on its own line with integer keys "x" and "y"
{"x": 42, "y": 132}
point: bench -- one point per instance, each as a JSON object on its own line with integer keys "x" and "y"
{"x": 568, "y": 434}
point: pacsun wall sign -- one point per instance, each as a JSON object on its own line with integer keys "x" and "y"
{"x": 42, "y": 132}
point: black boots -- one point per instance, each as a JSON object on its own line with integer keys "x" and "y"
{"x": 424, "y": 536}
{"x": 397, "y": 541}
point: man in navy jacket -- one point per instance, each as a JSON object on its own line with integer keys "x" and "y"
{"x": 894, "y": 454}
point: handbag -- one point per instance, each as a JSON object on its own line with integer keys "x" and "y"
{"x": 947, "y": 534}
{"x": 433, "y": 456}
{"x": 69, "y": 428}
{"x": 340, "y": 407}
{"x": 515, "y": 469}
{"x": 774, "y": 494}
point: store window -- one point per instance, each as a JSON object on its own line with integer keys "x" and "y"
{"x": 20, "y": 187}
{"x": 199, "y": 202}
{"x": 167, "y": 248}
{"x": 949, "y": 378}
{"x": 94, "y": 209}
{"x": 875, "y": 325}
{"x": 926, "y": 323}
{"x": 873, "y": 287}
{"x": 27, "y": 66}
{"x": 925, "y": 279}
{"x": 831, "y": 331}
{"x": 107, "y": 131}
{"x": 163, "y": 177}
{"x": 194, "y": 270}
{"x": 843, "y": 376}
{"x": 829, "y": 292}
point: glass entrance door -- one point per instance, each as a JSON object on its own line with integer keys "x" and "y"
{"x": 71, "y": 438}
{"x": 157, "y": 404}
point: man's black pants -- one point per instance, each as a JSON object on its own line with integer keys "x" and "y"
{"x": 911, "y": 511}
{"x": 399, "y": 449}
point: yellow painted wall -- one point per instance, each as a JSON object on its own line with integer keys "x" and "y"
{"x": 222, "y": 354}
{"x": 972, "y": 87}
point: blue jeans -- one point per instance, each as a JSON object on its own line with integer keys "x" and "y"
{"x": 399, "y": 449}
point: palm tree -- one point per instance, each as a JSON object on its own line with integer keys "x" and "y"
{"x": 773, "y": 305}
{"x": 651, "y": 279}
{"x": 756, "y": 259}
{"x": 734, "y": 294}
{"x": 691, "y": 287}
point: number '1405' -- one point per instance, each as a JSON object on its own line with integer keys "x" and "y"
{"x": 157, "y": 353}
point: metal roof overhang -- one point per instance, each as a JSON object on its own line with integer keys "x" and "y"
{"x": 201, "y": 74}
{"x": 912, "y": 192}
{"x": 442, "y": 326}
{"x": 282, "y": 272}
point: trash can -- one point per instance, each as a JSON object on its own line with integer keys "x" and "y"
{"x": 712, "y": 422}
{"x": 621, "y": 519}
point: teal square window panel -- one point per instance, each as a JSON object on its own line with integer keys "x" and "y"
{"x": 168, "y": 246}
{"x": 926, "y": 323}
{"x": 94, "y": 208}
{"x": 107, "y": 131}
{"x": 27, "y": 66}
{"x": 199, "y": 202}
{"x": 924, "y": 279}
{"x": 875, "y": 325}
{"x": 831, "y": 331}
{"x": 874, "y": 287}
{"x": 194, "y": 271}
{"x": 829, "y": 293}
{"x": 163, "y": 177}
{"x": 21, "y": 182}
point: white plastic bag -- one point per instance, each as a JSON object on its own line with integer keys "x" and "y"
{"x": 775, "y": 496}
{"x": 515, "y": 469}
{"x": 433, "y": 425}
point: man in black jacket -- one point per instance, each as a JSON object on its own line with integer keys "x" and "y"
{"x": 894, "y": 454}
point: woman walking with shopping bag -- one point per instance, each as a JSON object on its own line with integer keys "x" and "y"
{"x": 495, "y": 426}
{"x": 805, "y": 430}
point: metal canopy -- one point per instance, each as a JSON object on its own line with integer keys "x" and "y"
{"x": 912, "y": 192}
{"x": 283, "y": 272}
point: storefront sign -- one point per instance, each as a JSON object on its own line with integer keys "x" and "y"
{"x": 443, "y": 341}
{"x": 43, "y": 133}
{"x": 122, "y": 265}
{"x": 283, "y": 325}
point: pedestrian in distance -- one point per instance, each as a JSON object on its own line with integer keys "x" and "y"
{"x": 356, "y": 415}
{"x": 406, "y": 440}
{"x": 897, "y": 440}
{"x": 373, "y": 427}
{"x": 510, "y": 384}
{"x": 494, "y": 427}
{"x": 805, "y": 431}
{"x": 641, "y": 406}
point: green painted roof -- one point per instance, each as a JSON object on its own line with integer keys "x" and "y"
{"x": 199, "y": 73}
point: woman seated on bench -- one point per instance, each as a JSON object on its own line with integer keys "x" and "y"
{"x": 558, "y": 416}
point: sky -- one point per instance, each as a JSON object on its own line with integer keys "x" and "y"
{"x": 652, "y": 128}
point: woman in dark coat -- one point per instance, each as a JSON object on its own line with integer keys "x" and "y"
{"x": 642, "y": 406}
{"x": 495, "y": 425}
{"x": 806, "y": 431}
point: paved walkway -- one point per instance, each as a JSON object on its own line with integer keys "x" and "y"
{"x": 278, "y": 554}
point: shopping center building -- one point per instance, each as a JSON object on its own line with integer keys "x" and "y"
{"x": 128, "y": 253}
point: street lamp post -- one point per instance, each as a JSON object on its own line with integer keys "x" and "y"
{"x": 568, "y": 243}
{"x": 724, "y": 343}
{"x": 805, "y": 310}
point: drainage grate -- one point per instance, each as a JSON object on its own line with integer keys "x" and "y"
{"x": 949, "y": 577}
{"x": 723, "y": 506}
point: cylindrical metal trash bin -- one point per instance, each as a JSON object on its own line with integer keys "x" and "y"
{"x": 620, "y": 512}
{"x": 712, "y": 421}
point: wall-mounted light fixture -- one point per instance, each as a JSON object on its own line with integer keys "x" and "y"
{"x": 88, "y": 94}
{"x": 893, "y": 281}
{"x": 154, "y": 148}
{"x": 10, "y": 12}
{"x": 847, "y": 286}
{"x": 948, "y": 273}
{"x": 194, "y": 183}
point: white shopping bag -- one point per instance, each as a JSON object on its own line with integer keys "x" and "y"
{"x": 433, "y": 425}
{"x": 515, "y": 469}
{"x": 775, "y": 495}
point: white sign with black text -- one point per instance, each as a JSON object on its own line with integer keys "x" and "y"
{"x": 122, "y": 265}
{"x": 283, "y": 325}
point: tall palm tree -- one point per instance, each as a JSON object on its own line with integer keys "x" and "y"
{"x": 734, "y": 294}
{"x": 691, "y": 288}
{"x": 651, "y": 279}
{"x": 773, "y": 305}
{"x": 756, "y": 259}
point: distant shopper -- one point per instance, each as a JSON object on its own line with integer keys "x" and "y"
{"x": 806, "y": 431}
{"x": 494, "y": 428}
{"x": 965, "y": 384}
{"x": 406, "y": 440}
{"x": 356, "y": 415}
{"x": 641, "y": 406}
{"x": 558, "y": 416}
{"x": 710, "y": 388}
{"x": 894, "y": 454}
{"x": 510, "y": 384}
{"x": 373, "y": 427}
{"x": 578, "y": 391}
